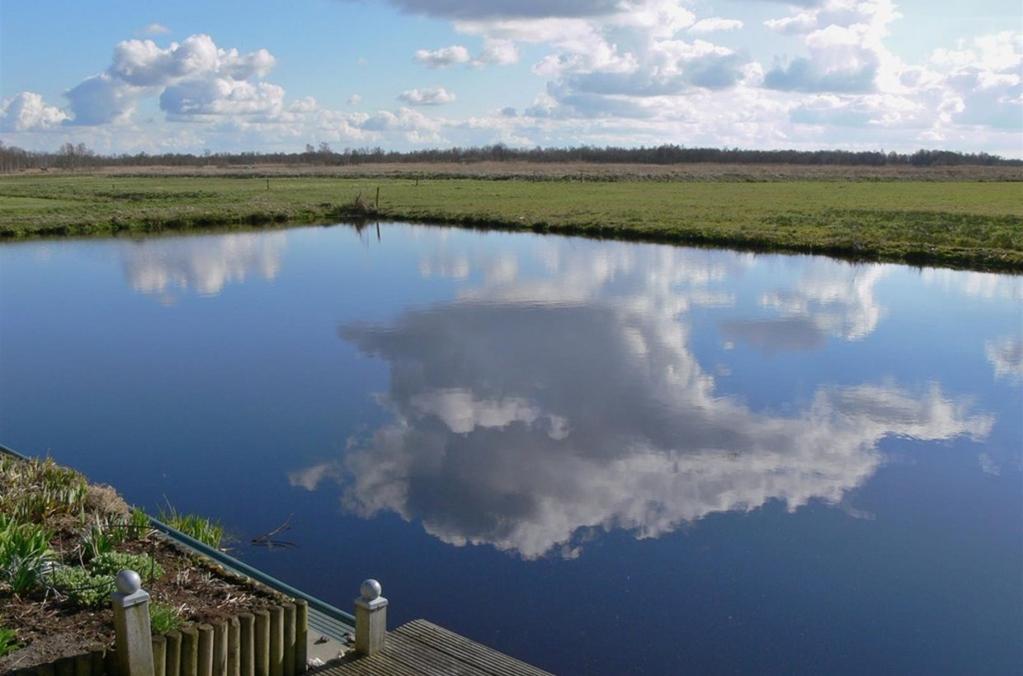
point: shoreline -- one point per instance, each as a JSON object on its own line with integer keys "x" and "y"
{"x": 966, "y": 225}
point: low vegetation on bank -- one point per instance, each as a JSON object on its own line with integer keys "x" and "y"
{"x": 62, "y": 541}
{"x": 204, "y": 530}
{"x": 975, "y": 224}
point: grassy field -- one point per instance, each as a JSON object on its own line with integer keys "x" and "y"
{"x": 976, "y": 224}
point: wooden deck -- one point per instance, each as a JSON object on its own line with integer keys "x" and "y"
{"x": 421, "y": 647}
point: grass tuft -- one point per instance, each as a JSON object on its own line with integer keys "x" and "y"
{"x": 24, "y": 553}
{"x": 138, "y": 523}
{"x": 8, "y": 641}
{"x": 202, "y": 529}
{"x": 163, "y": 618}
{"x": 36, "y": 490}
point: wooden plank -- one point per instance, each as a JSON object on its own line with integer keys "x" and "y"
{"x": 421, "y": 648}
{"x": 378, "y": 665}
{"x": 415, "y": 653}
{"x": 467, "y": 650}
{"x": 487, "y": 658}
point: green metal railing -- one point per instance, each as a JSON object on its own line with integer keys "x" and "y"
{"x": 323, "y": 617}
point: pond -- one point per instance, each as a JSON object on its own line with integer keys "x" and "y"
{"x": 600, "y": 457}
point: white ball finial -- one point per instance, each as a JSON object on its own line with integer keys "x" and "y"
{"x": 128, "y": 582}
{"x": 370, "y": 590}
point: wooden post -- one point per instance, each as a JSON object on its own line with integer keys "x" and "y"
{"x": 65, "y": 666}
{"x": 173, "y": 653}
{"x": 189, "y": 651}
{"x": 301, "y": 636}
{"x": 110, "y": 665}
{"x": 96, "y": 661}
{"x": 262, "y": 643}
{"x": 131, "y": 626}
{"x": 234, "y": 647}
{"x": 205, "y": 650}
{"x": 377, "y": 205}
{"x": 370, "y": 619}
{"x": 277, "y": 641}
{"x": 247, "y": 629}
{"x": 220, "y": 649}
{"x": 83, "y": 665}
{"x": 159, "y": 656}
{"x": 289, "y": 639}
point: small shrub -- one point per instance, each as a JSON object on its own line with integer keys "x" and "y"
{"x": 80, "y": 586}
{"x": 138, "y": 523}
{"x": 359, "y": 206}
{"x": 202, "y": 529}
{"x": 111, "y": 563}
{"x": 105, "y": 534}
{"x": 163, "y": 618}
{"x": 24, "y": 553}
{"x": 102, "y": 537}
{"x": 8, "y": 641}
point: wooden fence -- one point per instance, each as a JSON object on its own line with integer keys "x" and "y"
{"x": 267, "y": 642}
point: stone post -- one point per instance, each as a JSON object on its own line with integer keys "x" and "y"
{"x": 370, "y": 619}
{"x": 131, "y": 625}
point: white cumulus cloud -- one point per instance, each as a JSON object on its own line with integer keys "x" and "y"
{"x": 616, "y": 72}
{"x": 498, "y": 52}
{"x": 429, "y": 96}
{"x": 192, "y": 77}
{"x": 154, "y": 29}
{"x": 27, "y": 111}
{"x": 443, "y": 57}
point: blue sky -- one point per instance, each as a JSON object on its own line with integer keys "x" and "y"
{"x": 859, "y": 74}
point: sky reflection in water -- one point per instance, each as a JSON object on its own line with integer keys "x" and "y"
{"x": 544, "y": 397}
{"x": 529, "y": 412}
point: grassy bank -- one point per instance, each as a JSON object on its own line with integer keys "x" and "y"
{"x": 62, "y": 541}
{"x": 961, "y": 223}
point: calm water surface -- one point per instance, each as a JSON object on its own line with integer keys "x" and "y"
{"x": 600, "y": 457}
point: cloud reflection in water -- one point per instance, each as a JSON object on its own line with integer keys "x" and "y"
{"x": 528, "y": 413}
{"x": 831, "y": 299}
{"x": 203, "y": 264}
{"x": 1005, "y": 355}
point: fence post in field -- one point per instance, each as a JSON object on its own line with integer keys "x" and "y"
{"x": 131, "y": 624}
{"x": 370, "y": 619}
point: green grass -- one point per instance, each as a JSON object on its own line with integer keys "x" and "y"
{"x": 102, "y": 536}
{"x": 8, "y": 641}
{"x": 163, "y": 618}
{"x": 24, "y": 553}
{"x": 202, "y": 529}
{"x": 960, "y": 223}
{"x": 39, "y": 489}
{"x": 138, "y": 523}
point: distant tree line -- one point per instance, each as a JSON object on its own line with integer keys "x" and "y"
{"x": 68, "y": 156}
{"x": 71, "y": 156}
